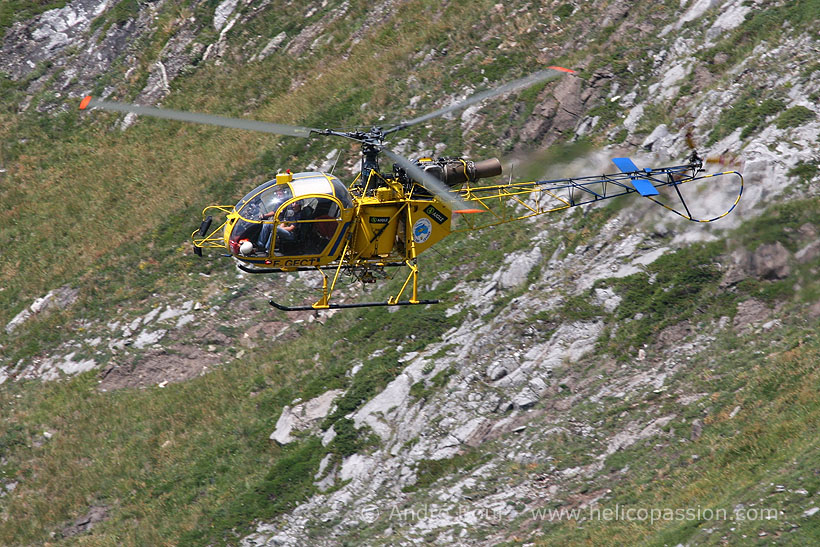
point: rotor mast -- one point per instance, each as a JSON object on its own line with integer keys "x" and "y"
{"x": 372, "y": 142}
{"x": 371, "y": 147}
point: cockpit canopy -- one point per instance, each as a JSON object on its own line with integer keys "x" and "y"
{"x": 292, "y": 215}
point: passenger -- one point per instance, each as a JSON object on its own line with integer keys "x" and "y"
{"x": 287, "y": 232}
{"x": 245, "y": 247}
{"x": 288, "y": 229}
{"x": 263, "y": 241}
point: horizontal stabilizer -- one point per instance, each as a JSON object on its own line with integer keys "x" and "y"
{"x": 643, "y": 186}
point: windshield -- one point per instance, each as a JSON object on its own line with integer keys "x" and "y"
{"x": 263, "y": 201}
{"x": 257, "y": 210}
{"x": 306, "y": 226}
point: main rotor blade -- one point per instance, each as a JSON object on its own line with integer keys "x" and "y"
{"x": 431, "y": 183}
{"x": 207, "y": 119}
{"x": 550, "y": 73}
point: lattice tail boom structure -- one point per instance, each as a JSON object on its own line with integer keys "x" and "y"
{"x": 519, "y": 200}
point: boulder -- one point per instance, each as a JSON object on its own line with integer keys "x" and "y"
{"x": 658, "y": 140}
{"x": 86, "y": 522}
{"x": 771, "y": 261}
{"x": 809, "y": 253}
{"x": 303, "y": 416}
{"x": 738, "y": 269}
{"x": 520, "y": 266}
{"x": 60, "y": 298}
{"x": 749, "y": 313}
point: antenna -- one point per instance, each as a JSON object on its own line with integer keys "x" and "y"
{"x": 335, "y": 162}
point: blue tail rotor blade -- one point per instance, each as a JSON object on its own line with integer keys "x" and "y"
{"x": 643, "y": 186}
{"x": 625, "y": 165}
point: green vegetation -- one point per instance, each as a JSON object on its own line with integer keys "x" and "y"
{"x": 429, "y": 471}
{"x": 780, "y": 223}
{"x": 20, "y": 10}
{"x": 804, "y": 170}
{"x": 749, "y": 112}
{"x": 579, "y": 308}
{"x": 608, "y": 111}
{"x": 118, "y": 14}
{"x": 564, "y": 10}
{"x": 421, "y": 390}
{"x": 108, "y": 212}
{"x": 752, "y": 411}
{"x": 794, "y": 117}
{"x": 373, "y": 378}
{"x": 762, "y": 24}
{"x": 288, "y": 482}
{"x": 684, "y": 285}
{"x": 674, "y": 287}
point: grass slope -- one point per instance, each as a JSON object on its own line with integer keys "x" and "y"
{"x": 109, "y": 212}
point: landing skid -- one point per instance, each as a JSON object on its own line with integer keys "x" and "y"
{"x": 251, "y": 270}
{"x": 346, "y": 306}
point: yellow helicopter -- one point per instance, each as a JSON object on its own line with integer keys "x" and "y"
{"x": 312, "y": 221}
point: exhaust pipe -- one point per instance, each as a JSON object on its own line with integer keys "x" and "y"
{"x": 455, "y": 172}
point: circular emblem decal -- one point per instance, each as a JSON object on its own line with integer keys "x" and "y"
{"x": 422, "y": 230}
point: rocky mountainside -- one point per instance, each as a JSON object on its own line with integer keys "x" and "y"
{"x": 610, "y": 375}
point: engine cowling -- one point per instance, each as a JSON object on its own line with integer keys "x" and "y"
{"x": 453, "y": 171}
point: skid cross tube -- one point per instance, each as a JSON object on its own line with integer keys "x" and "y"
{"x": 308, "y": 268}
{"x": 357, "y": 305}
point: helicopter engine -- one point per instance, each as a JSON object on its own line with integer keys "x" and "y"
{"x": 453, "y": 171}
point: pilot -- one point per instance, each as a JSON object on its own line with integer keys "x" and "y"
{"x": 288, "y": 231}
{"x": 263, "y": 241}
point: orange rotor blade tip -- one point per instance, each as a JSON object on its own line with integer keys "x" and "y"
{"x": 562, "y": 69}
{"x": 470, "y": 211}
{"x": 84, "y": 103}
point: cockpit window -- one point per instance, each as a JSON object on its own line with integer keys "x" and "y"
{"x": 262, "y": 203}
{"x": 257, "y": 211}
{"x": 306, "y": 226}
{"x": 276, "y": 215}
{"x": 341, "y": 192}
{"x": 253, "y": 193}
{"x": 274, "y": 197}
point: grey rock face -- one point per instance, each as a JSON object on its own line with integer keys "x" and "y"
{"x": 60, "y": 298}
{"x": 49, "y": 35}
{"x": 303, "y": 416}
{"x": 520, "y": 266}
{"x": 771, "y": 261}
{"x": 64, "y": 49}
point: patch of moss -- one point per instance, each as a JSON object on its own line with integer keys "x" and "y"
{"x": 767, "y": 291}
{"x": 373, "y": 377}
{"x": 580, "y": 308}
{"x": 749, "y": 112}
{"x": 20, "y": 10}
{"x": 117, "y": 14}
{"x": 421, "y": 390}
{"x": 289, "y": 481}
{"x": 673, "y": 288}
{"x": 564, "y": 10}
{"x": 794, "y": 117}
{"x": 429, "y": 471}
{"x": 349, "y": 439}
{"x": 780, "y": 223}
{"x": 762, "y": 23}
{"x": 805, "y": 171}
